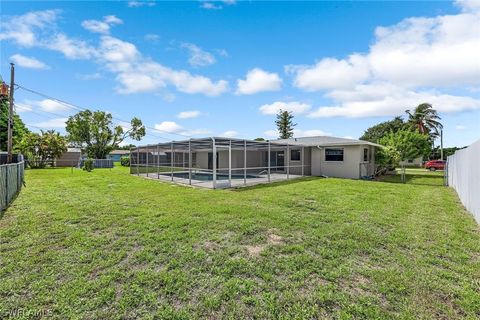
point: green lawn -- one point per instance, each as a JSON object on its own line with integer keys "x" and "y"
{"x": 107, "y": 245}
{"x": 417, "y": 176}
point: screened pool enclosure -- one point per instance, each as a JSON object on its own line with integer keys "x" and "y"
{"x": 220, "y": 162}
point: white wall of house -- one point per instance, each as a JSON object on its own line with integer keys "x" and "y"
{"x": 417, "y": 162}
{"x": 296, "y": 166}
{"x": 202, "y": 160}
{"x": 349, "y": 168}
{"x": 255, "y": 159}
{"x": 314, "y": 161}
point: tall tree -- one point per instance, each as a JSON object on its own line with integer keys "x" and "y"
{"x": 403, "y": 145}
{"x": 285, "y": 124}
{"x": 19, "y": 128}
{"x": 95, "y": 132}
{"x": 425, "y": 119}
{"x": 41, "y": 149}
{"x": 378, "y": 131}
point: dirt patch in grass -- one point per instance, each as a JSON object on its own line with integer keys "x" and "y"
{"x": 272, "y": 239}
{"x": 254, "y": 251}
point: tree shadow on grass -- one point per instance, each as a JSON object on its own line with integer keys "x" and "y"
{"x": 274, "y": 184}
{"x": 425, "y": 179}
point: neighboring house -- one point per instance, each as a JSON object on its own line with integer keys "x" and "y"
{"x": 417, "y": 162}
{"x": 116, "y": 155}
{"x": 70, "y": 158}
{"x": 241, "y": 161}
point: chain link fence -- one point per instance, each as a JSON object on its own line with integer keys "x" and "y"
{"x": 463, "y": 174}
{"x": 11, "y": 181}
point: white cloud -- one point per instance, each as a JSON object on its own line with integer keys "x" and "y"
{"x": 229, "y": 134}
{"x": 111, "y": 19}
{"x": 174, "y": 128}
{"x": 417, "y": 60}
{"x": 198, "y": 57}
{"x": 210, "y": 6}
{"x": 330, "y": 73}
{"x": 188, "y": 114}
{"x": 437, "y": 51}
{"x": 258, "y": 80}
{"x": 52, "y": 123}
{"x": 298, "y": 133}
{"x": 468, "y": 5}
{"x": 134, "y": 72}
{"x": 96, "y": 26}
{"x": 222, "y": 52}
{"x": 213, "y": 5}
{"x": 28, "y": 62}
{"x": 460, "y": 127}
{"x": 89, "y": 76}
{"x": 71, "y": 48}
{"x": 310, "y": 133}
{"x": 23, "y": 29}
{"x": 389, "y": 100}
{"x": 197, "y": 132}
{"x": 152, "y": 37}
{"x": 137, "y": 4}
{"x": 169, "y": 126}
{"x": 50, "y": 105}
{"x": 103, "y": 26}
{"x": 292, "y": 106}
{"x": 22, "y": 107}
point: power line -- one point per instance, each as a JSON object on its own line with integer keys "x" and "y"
{"x": 79, "y": 108}
{"x": 52, "y": 115}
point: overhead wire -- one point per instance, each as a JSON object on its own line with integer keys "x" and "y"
{"x": 79, "y": 108}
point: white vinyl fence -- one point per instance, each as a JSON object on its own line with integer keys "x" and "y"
{"x": 464, "y": 177}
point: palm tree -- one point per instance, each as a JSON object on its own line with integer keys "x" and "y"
{"x": 425, "y": 119}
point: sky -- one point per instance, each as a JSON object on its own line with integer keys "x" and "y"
{"x": 203, "y": 68}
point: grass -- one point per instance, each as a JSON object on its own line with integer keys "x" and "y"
{"x": 417, "y": 176}
{"x": 107, "y": 245}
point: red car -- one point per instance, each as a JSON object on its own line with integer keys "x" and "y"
{"x": 433, "y": 165}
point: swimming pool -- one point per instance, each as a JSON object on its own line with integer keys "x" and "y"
{"x": 207, "y": 176}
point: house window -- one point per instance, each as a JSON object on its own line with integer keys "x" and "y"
{"x": 333, "y": 154}
{"x": 410, "y": 160}
{"x": 365, "y": 155}
{"x": 295, "y": 155}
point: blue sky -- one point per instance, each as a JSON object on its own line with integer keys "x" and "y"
{"x": 225, "y": 68}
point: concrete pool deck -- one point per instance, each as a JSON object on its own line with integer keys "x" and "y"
{"x": 221, "y": 184}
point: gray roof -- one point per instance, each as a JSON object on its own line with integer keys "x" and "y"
{"x": 324, "y": 141}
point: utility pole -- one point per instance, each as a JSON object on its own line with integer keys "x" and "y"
{"x": 10, "y": 115}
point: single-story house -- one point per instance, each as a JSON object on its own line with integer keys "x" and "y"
{"x": 241, "y": 162}
{"x": 70, "y": 158}
{"x": 116, "y": 155}
{"x": 417, "y": 162}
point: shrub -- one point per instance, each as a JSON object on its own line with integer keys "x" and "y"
{"x": 125, "y": 161}
{"x": 88, "y": 165}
